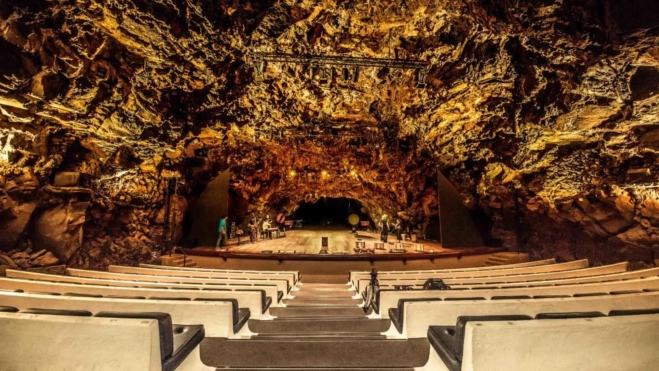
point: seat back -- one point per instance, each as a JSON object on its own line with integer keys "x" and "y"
{"x": 216, "y": 316}
{"x": 420, "y": 315}
{"x": 82, "y": 343}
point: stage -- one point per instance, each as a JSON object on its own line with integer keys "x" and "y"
{"x": 308, "y": 241}
{"x": 300, "y": 250}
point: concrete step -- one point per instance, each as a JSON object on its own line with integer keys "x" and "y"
{"x": 322, "y": 294}
{"x": 315, "y": 353}
{"x": 322, "y": 302}
{"x": 311, "y": 312}
{"x": 322, "y": 335}
{"x": 318, "y": 325}
{"x": 317, "y": 369}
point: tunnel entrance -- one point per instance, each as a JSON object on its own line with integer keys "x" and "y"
{"x": 329, "y": 212}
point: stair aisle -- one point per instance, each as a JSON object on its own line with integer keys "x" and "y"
{"x": 321, "y": 328}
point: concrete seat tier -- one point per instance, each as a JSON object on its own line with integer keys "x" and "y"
{"x": 588, "y": 341}
{"x": 254, "y": 277}
{"x": 456, "y": 282}
{"x": 108, "y": 341}
{"x": 282, "y": 285}
{"x": 294, "y": 274}
{"x": 220, "y": 317}
{"x": 421, "y": 277}
{"x": 389, "y": 299}
{"x": 268, "y": 290}
{"x": 421, "y": 314}
{"x": 254, "y": 300}
{"x": 354, "y": 275}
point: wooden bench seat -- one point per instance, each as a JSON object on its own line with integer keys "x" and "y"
{"x": 268, "y": 290}
{"x": 220, "y": 317}
{"x": 419, "y": 314}
{"x": 515, "y": 278}
{"x": 390, "y": 299}
{"x": 64, "y": 340}
{"x": 294, "y": 274}
{"x": 588, "y": 341}
{"x": 254, "y": 300}
{"x": 282, "y": 285}
{"x": 290, "y": 281}
{"x": 354, "y": 275}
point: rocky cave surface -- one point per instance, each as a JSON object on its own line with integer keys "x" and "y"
{"x": 543, "y": 113}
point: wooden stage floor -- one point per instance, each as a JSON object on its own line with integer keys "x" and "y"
{"x": 308, "y": 241}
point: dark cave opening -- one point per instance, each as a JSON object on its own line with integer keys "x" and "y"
{"x": 330, "y": 212}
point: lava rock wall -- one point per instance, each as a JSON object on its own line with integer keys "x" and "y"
{"x": 542, "y": 113}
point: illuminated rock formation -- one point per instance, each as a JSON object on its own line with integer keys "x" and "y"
{"x": 552, "y": 105}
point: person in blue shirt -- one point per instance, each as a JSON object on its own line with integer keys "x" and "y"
{"x": 222, "y": 238}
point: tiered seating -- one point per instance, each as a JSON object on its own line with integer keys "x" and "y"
{"x": 531, "y": 316}
{"x": 534, "y": 317}
{"x": 281, "y": 284}
{"x": 71, "y": 307}
{"x": 353, "y": 276}
{"x": 623, "y": 340}
{"x": 269, "y": 291}
{"x": 294, "y": 274}
{"x": 68, "y": 340}
{"x": 252, "y": 300}
{"x": 420, "y": 278}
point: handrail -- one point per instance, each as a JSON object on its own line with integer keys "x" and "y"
{"x": 185, "y": 254}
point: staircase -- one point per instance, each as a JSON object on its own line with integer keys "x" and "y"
{"x": 322, "y": 327}
{"x": 501, "y": 258}
{"x": 178, "y": 261}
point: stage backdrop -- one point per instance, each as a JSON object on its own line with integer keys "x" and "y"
{"x": 203, "y": 218}
{"x": 457, "y": 228}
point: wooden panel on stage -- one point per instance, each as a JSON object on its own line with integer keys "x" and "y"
{"x": 457, "y": 228}
{"x": 206, "y": 212}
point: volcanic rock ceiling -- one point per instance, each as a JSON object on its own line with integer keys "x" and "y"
{"x": 543, "y": 113}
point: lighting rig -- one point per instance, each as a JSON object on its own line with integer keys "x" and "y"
{"x": 323, "y": 65}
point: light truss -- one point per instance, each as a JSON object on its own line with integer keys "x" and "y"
{"x": 338, "y": 60}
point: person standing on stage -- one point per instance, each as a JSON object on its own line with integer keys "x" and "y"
{"x": 398, "y": 228}
{"x": 222, "y": 229}
{"x": 266, "y": 226}
{"x": 384, "y": 229}
{"x": 252, "y": 230}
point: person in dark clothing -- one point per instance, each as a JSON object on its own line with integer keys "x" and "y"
{"x": 398, "y": 228}
{"x": 384, "y": 229}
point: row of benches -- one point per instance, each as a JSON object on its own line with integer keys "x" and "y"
{"x": 125, "y": 316}
{"x": 526, "y": 316}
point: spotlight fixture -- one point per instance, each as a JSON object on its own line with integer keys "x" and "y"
{"x": 323, "y": 173}
{"x": 421, "y": 78}
{"x": 259, "y": 68}
{"x": 353, "y": 173}
{"x": 291, "y": 173}
{"x": 101, "y": 72}
{"x": 324, "y": 75}
{"x": 290, "y": 72}
{"x": 345, "y": 74}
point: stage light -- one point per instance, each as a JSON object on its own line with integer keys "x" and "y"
{"x": 345, "y": 73}
{"x": 353, "y": 173}
{"x": 421, "y": 78}
{"x": 323, "y": 173}
{"x": 290, "y": 72}
{"x": 291, "y": 173}
{"x": 324, "y": 75}
{"x": 259, "y": 68}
